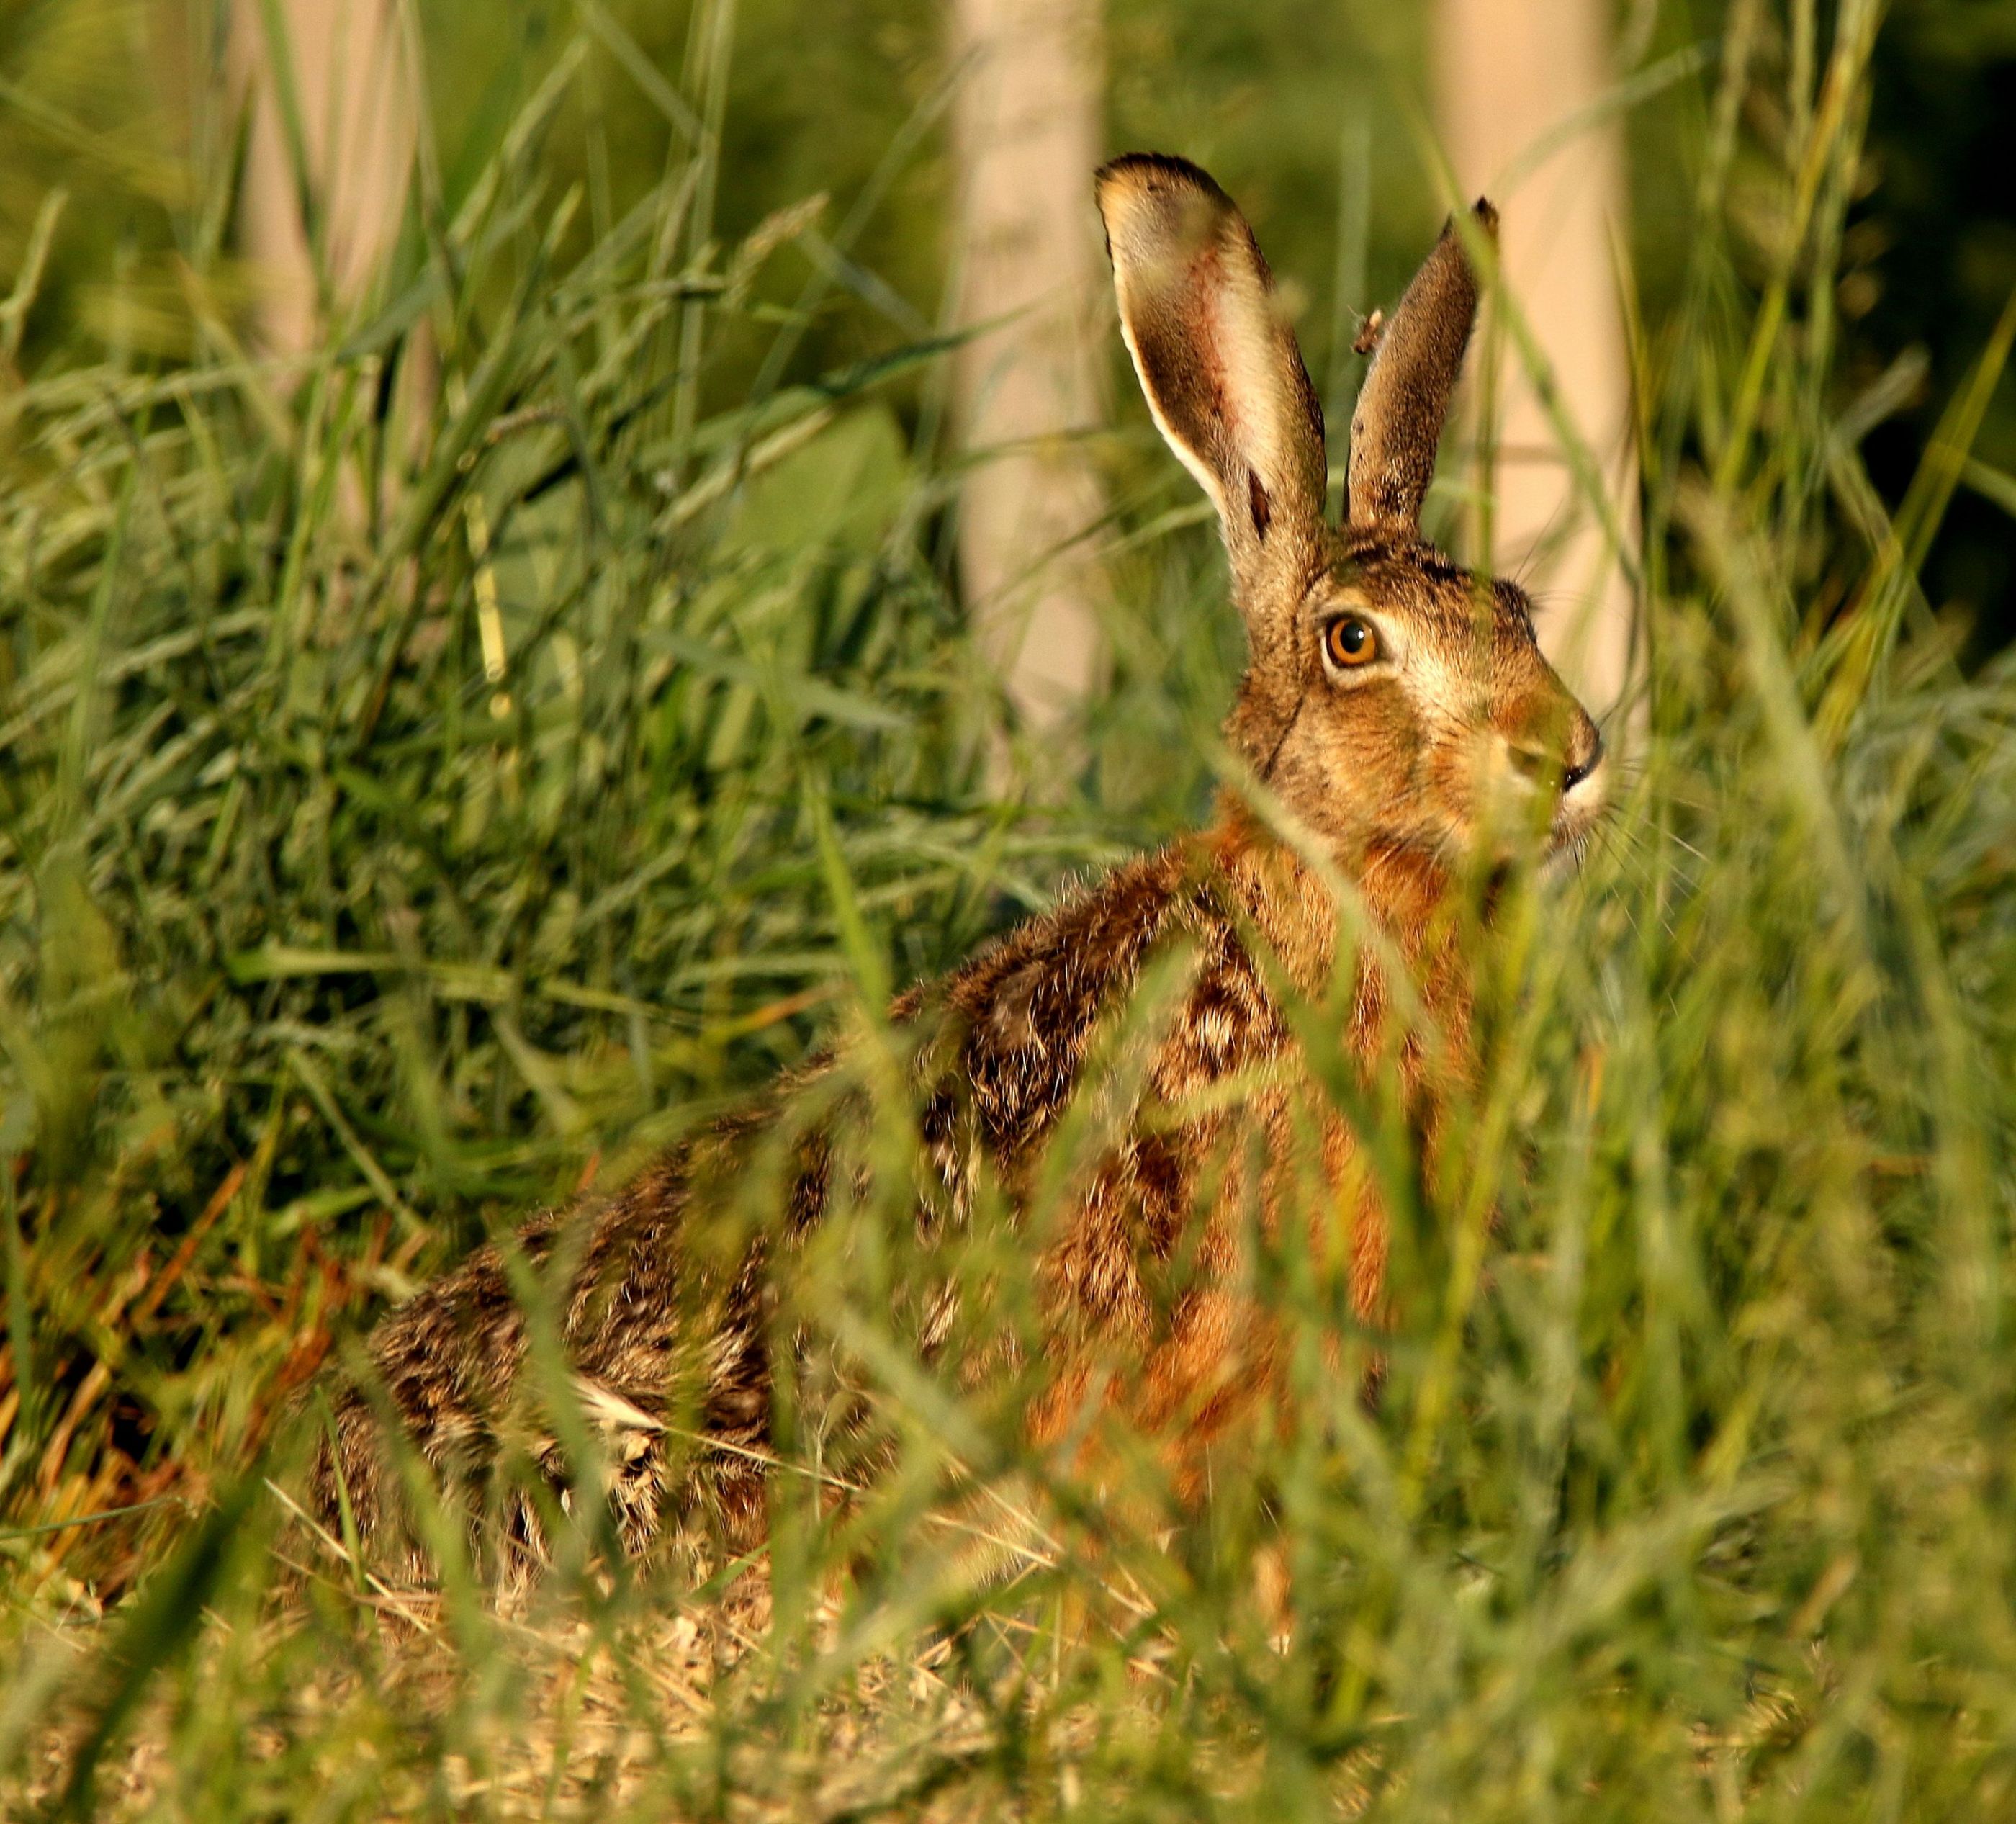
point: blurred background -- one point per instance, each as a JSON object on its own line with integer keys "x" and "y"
{"x": 953, "y": 140}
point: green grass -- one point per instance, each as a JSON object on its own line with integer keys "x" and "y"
{"x": 416, "y": 800}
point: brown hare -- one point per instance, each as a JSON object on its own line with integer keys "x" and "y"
{"x": 1394, "y": 704}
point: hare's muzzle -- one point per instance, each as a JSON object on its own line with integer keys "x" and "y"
{"x": 1543, "y": 775}
{"x": 1584, "y": 780}
{"x": 1577, "y": 771}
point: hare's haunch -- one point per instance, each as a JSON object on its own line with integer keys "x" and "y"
{"x": 1395, "y": 704}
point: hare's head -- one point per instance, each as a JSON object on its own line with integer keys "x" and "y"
{"x": 1393, "y": 701}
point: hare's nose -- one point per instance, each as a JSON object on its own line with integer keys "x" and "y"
{"x": 1581, "y": 769}
{"x": 1536, "y": 760}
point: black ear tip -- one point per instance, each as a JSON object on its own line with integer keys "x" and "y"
{"x": 1149, "y": 169}
{"x": 1484, "y": 216}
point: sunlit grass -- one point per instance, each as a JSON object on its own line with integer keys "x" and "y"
{"x": 424, "y": 792}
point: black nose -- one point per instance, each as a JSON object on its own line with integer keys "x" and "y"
{"x": 1588, "y": 764}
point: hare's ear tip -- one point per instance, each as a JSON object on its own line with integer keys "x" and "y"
{"x": 1483, "y": 212}
{"x": 1142, "y": 167}
{"x": 1136, "y": 171}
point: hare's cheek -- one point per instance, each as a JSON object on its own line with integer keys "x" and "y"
{"x": 1458, "y": 777}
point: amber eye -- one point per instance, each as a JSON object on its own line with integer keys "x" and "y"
{"x": 1349, "y": 642}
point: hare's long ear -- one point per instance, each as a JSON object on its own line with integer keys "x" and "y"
{"x": 1406, "y": 395}
{"x": 1223, "y": 374}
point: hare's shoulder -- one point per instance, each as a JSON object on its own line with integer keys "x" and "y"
{"x": 1027, "y": 1006}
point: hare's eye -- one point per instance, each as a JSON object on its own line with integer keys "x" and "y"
{"x": 1349, "y": 642}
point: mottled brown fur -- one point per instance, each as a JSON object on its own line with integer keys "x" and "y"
{"x": 1399, "y": 769}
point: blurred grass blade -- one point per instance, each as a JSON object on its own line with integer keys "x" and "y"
{"x": 1868, "y": 626}
{"x": 161, "y": 1628}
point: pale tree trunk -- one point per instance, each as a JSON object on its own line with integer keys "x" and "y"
{"x": 357, "y": 107}
{"x": 1509, "y": 72}
{"x": 1027, "y": 132}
